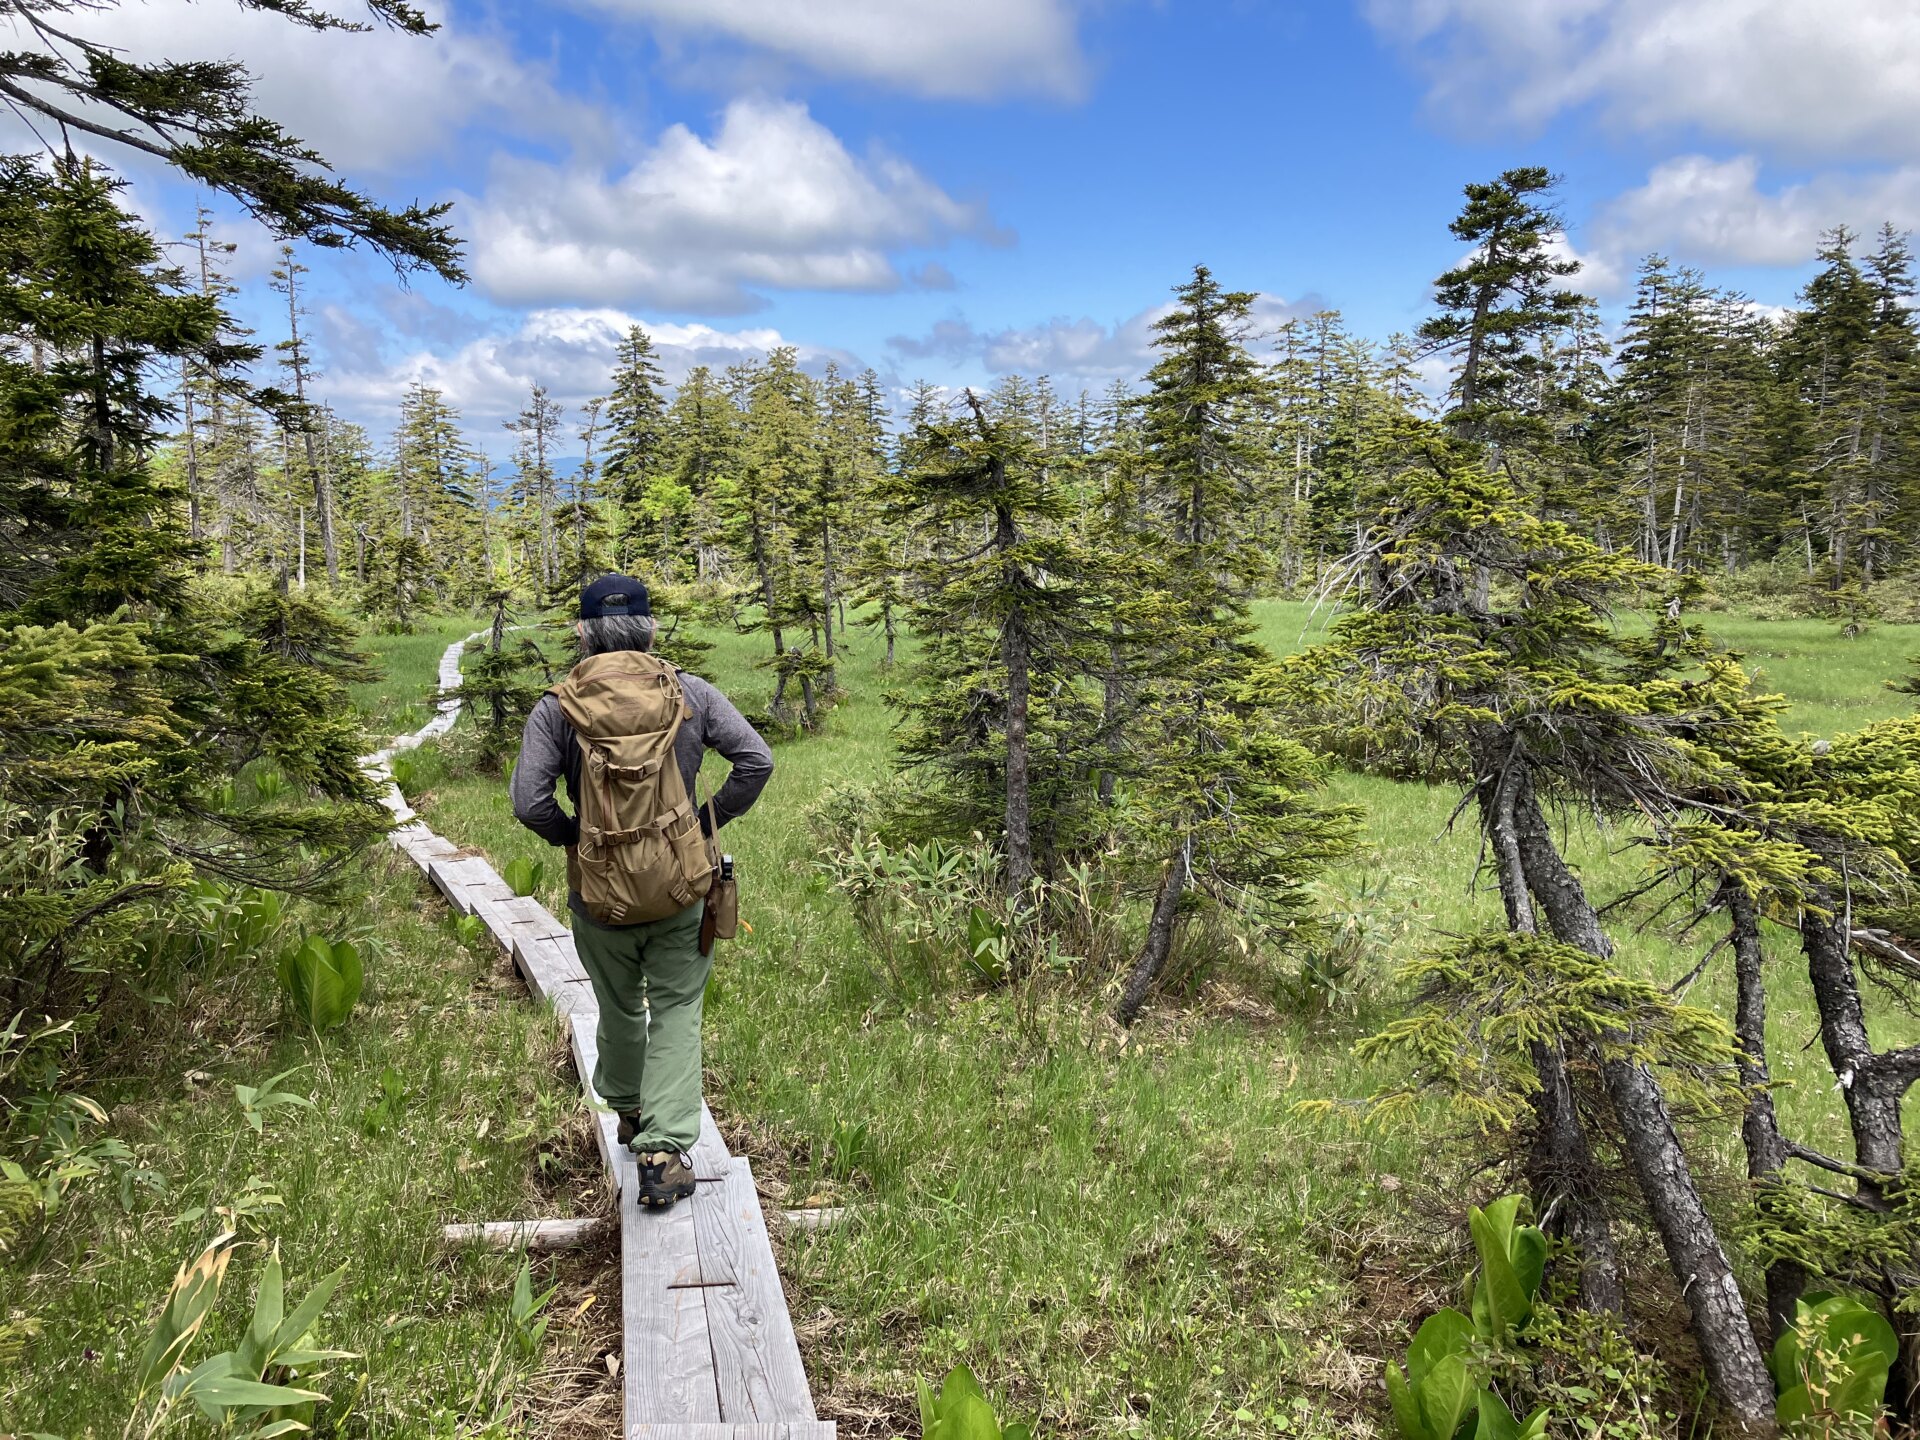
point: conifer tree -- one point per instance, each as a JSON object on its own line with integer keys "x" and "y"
{"x": 1498, "y": 304}
{"x": 535, "y": 488}
{"x": 636, "y": 442}
{"x": 197, "y": 116}
{"x": 1486, "y": 651}
{"x": 294, "y": 358}
{"x": 129, "y": 706}
{"x": 1227, "y": 800}
{"x": 1009, "y": 628}
{"x": 756, "y": 499}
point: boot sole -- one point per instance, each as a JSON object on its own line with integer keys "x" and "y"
{"x": 665, "y": 1199}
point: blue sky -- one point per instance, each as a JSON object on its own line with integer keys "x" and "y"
{"x": 950, "y": 189}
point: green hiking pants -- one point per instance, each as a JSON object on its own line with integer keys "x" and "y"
{"x": 650, "y": 980}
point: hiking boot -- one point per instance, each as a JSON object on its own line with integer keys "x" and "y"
{"x": 629, "y": 1127}
{"x": 665, "y": 1176}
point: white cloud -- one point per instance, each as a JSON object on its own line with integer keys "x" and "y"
{"x": 1702, "y": 210}
{"x": 570, "y": 351}
{"x": 772, "y": 200}
{"x": 373, "y": 101}
{"x": 966, "y": 49}
{"x": 1804, "y": 77}
{"x": 1083, "y": 351}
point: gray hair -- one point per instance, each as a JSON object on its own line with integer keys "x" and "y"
{"x": 615, "y": 632}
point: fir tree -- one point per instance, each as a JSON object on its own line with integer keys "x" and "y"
{"x": 1486, "y": 651}
{"x": 129, "y": 704}
{"x": 1497, "y": 305}
{"x": 1227, "y": 800}
{"x": 294, "y": 358}
{"x": 197, "y": 116}
{"x": 1008, "y": 629}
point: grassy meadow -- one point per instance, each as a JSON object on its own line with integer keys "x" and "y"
{"x": 1139, "y": 1233}
{"x": 446, "y": 1096}
{"x": 1132, "y": 1233}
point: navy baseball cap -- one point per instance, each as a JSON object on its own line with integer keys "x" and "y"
{"x": 614, "y": 595}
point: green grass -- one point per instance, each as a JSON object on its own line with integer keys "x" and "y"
{"x": 1145, "y": 1236}
{"x": 488, "y": 1125}
{"x": 402, "y": 699}
{"x": 1137, "y": 1233}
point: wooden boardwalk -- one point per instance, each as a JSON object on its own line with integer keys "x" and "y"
{"x": 709, "y": 1349}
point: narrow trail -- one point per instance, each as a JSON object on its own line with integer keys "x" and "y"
{"x": 709, "y": 1351}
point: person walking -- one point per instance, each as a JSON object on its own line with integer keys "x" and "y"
{"x": 628, "y": 731}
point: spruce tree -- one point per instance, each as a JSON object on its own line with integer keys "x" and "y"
{"x": 1010, "y": 625}
{"x": 1227, "y": 803}
{"x": 130, "y": 704}
{"x": 197, "y": 116}
{"x": 1486, "y": 651}
{"x": 298, "y": 364}
{"x": 636, "y": 444}
{"x": 1498, "y": 304}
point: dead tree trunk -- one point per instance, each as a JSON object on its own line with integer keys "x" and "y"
{"x": 1159, "y": 941}
{"x": 1728, "y": 1348}
{"x": 1560, "y": 1167}
{"x": 1760, "y": 1126}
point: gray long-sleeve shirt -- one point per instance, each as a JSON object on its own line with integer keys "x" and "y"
{"x": 549, "y": 750}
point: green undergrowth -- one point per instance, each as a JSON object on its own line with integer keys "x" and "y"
{"x": 1139, "y": 1233}
{"x": 442, "y": 1097}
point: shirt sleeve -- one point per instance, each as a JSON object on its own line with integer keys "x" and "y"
{"x": 727, "y": 731}
{"x": 543, "y": 752}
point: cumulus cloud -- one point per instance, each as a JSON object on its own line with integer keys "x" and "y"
{"x": 967, "y": 49}
{"x": 568, "y": 350}
{"x": 1806, "y": 77}
{"x": 371, "y": 102}
{"x": 773, "y": 200}
{"x": 1704, "y": 210}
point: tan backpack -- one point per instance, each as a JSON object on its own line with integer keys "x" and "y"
{"x": 641, "y": 855}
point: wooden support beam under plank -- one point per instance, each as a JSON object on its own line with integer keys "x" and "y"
{"x": 756, "y": 1357}
{"x": 667, "y": 1360}
{"x": 787, "y": 1430}
{"x": 538, "y": 1235}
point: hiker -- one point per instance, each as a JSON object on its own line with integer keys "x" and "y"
{"x": 644, "y": 879}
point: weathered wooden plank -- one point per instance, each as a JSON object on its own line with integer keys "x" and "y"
{"x": 454, "y": 877}
{"x": 787, "y": 1430}
{"x": 553, "y": 972}
{"x": 532, "y": 919}
{"x": 821, "y": 1217}
{"x": 716, "y": 1230}
{"x": 709, "y": 1154}
{"x": 756, "y": 1358}
{"x": 542, "y": 1235}
{"x": 667, "y": 1358}
{"x": 581, "y": 1031}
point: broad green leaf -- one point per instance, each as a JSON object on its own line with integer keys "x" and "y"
{"x": 236, "y": 1390}
{"x": 1496, "y": 1420}
{"x": 1445, "y": 1332}
{"x": 1864, "y": 1388}
{"x": 959, "y": 1382}
{"x": 1535, "y": 1427}
{"x": 1529, "y": 1251}
{"x": 1447, "y": 1396}
{"x": 1499, "y": 1218}
{"x": 1499, "y": 1301}
{"x": 968, "y": 1417}
{"x": 1794, "y": 1407}
{"x": 1406, "y": 1408}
